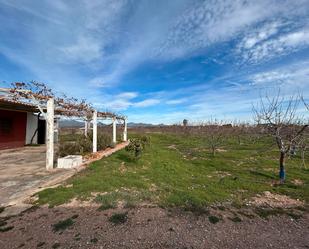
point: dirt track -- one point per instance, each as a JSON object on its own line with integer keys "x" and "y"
{"x": 151, "y": 228}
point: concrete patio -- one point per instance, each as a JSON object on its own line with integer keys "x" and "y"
{"x": 23, "y": 173}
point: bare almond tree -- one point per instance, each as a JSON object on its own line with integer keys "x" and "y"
{"x": 304, "y": 144}
{"x": 214, "y": 134}
{"x": 279, "y": 118}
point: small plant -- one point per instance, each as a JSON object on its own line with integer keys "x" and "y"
{"x": 56, "y": 245}
{"x": 137, "y": 146}
{"x": 40, "y": 244}
{"x": 63, "y": 224}
{"x": 94, "y": 240}
{"x": 119, "y": 218}
{"x": 77, "y": 237}
{"x": 5, "y": 229}
{"x": 235, "y": 219}
{"x": 213, "y": 219}
{"x": 3, "y": 223}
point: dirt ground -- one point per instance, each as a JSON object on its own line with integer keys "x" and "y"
{"x": 151, "y": 227}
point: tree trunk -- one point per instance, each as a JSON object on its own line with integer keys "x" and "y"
{"x": 213, "y": 149}
{"x": 282, "y": 170}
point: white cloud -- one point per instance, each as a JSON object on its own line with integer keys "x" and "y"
{"x": 127, "y": 95}
{"x": 175, "y": 101}
{"x": 147, "y": 103}
{"x": 273, "y": 40}
{"x": 85, "y": 50}
{"x": 291, "y": 77}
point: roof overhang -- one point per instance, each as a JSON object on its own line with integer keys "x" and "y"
{"x": 12, "y": 105}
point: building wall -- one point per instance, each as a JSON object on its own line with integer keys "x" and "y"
{"x": 32, "y": 125}
{"x": 12, "y": 129}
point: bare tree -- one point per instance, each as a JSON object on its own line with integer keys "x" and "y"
{"x": 304, "y": 144}
{"x": 278, "y": 116}
{"x": 214, "y": 133}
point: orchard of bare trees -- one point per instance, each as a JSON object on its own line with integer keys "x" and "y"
{"x": 282, "y": 120}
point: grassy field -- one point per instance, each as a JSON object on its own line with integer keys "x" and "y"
{"x": 180, "y": 171}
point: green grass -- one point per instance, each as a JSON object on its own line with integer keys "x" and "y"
{"x": 179, "y": 171}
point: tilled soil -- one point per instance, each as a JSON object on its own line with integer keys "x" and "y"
{"x": 148, "y": 227}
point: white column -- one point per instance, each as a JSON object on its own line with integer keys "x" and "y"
{"x": 50, "y": 134}
{"x": 86, "y": 128}
{"x": 114, "y": 131}
{"x": 125, "y": 131}
{"x": 94, "y": 132}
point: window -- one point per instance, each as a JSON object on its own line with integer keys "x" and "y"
{"x": 6, "y": 125}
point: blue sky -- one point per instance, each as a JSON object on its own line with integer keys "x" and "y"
{"x": 159, "y": 61}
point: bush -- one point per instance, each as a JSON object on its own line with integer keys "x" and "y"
{"x": 137, "y": 145}
{"x": 83, "y": 145}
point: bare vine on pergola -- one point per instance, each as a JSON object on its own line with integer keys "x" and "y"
{"x": 67, "y": 106}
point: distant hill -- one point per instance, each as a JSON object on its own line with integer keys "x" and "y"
{"x": 79, "y": 124}
{"x": 74, "y": 124}
{"x": 70, "y": 123}
{"x": 131, "y": 124}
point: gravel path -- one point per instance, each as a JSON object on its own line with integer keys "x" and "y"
{"x": 150, "y": 228}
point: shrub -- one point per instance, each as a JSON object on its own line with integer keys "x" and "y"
{"x": 83, "y": 145}
{"x": 137, "y": 145}
{"x": 63, "y": 224}
{"x": 119, "y": 218}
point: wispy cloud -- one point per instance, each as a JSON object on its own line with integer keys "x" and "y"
{"x": 262, "y": 47}
{"x": 147, "y": 103}
{"x": 116, "y": 53}
{"x": 176, "y": 101}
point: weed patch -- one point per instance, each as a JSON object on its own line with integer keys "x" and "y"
{"x": 56, "y": 245}
{"x": 213, "y": 219}
{"x": 119, "y": 218}
{"x": 5, "y": 229}
{"x": 235, "y": 219}
{"x": 266, "y": 212}
{"x": 62, "y": 225}
{"x": 94, "y": 240}
{"x": 40, "y": 244}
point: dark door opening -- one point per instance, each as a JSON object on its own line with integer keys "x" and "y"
{"x": 41, "y": 131}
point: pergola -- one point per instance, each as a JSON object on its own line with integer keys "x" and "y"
{"x": 50, "y": 106}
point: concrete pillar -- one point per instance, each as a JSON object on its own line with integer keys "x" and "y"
{"x": 86, "y": 128}
{"x": 94, "y": 132}
{"x": 125, "y": 131}
{"x": 50, "y": 134}
{"x": 114, "y": 131}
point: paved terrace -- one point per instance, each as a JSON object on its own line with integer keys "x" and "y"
{"x": 23, "y": 173}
